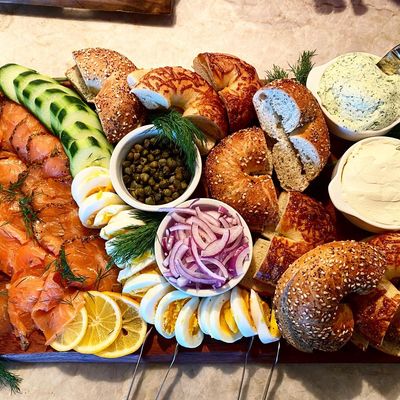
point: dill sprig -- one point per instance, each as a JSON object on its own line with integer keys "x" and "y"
{"x": 303, "y": 66}
{"x": 64, "y": 268}
{"x": 180, "y": 131}
{"x": 8, "y": 379}
{"x": 29, "y": 216}
{"x": 299, "y": 70}
{"x": 11, "y": 191}
{"x": 137, "y": 240}
{"x": 276, "y": 73}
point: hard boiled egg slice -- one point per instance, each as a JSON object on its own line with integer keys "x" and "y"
{"x": 261, "y": 314}
{"x": 136, "y": 265}
{"x": 240, "y": 306}
{"x": 167, "y": 312}
{"x": 141, "y": 283}
{"x": 187, "y": 329}
{"x": 90, "y": 180}
{"x": 150, "y": 300}
{"x": 106, "y": 213}
{"x": 118, "y": 224}
{"x": 204, "y": 314}
{"x": 94, "y": 203}
{"x": 222, "y": 325}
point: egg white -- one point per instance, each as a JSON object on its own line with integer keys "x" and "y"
{"x": 105, "y": 214}
{"x": 94, "y": 203}
{"x": 118, "y": 223}
{"x": 257, "y": 314}
{"x": 217, "y": 331}
{"x": 136, "y": 265}
{"x": 183, "y": 327}
{"x": 162, "y": 309}
{"x": 241, "y": 312}
{"x": 204, "y": 314}
{"x": 142, "y": 283}
{"x": 150, "y": 300}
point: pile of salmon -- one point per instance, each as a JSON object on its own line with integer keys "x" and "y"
{"x": 40, "y": 231}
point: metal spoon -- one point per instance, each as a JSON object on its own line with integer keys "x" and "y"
{"x": 390, "y": 63}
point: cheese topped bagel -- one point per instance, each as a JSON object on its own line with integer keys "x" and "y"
{"x": 235, "y": 81}
{"x": 177, "y": 87}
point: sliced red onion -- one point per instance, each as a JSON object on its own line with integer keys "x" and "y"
{"x": 233, "y": 262}
{"x": 240, "y": 260}
{"x": 203, "y": 225}
{"x": 216, "y": 247}
{"x": 182, "y": 282}
{"x": 180, "y": 227}
{"x": 207, "y": 218}
{"x": 218, "y": 263}
{"x": 197, "y": 238}
{"x": 190, "y": 276}
{"x": 181, "y": 235}
{"x": 235, "y": 244}
{"x": 215, "y": 214}
{"x": 172, "y": 256}
{"x": 178, "y": 218}
{"x": 224, "y": 222}
{"x": 223, "y": 210}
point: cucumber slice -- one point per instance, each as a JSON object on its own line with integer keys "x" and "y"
{"x": 8, "y": 74}
{"x": 88, "y": 157}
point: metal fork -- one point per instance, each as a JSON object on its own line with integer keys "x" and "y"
{"x": 267, "y": 385}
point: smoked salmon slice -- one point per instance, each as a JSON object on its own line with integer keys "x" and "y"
{"x": 56, "y": 306}
{"x": 87, "y": 258}
{"x": 11, "y": 167}
{"x": 25, "y": 129}
{"x": 23, "y": 295}
{"x": 8, "y": 248}
{"x": 42, "y": 145}
{"x": 58, "y": 223}
{"x": 11, "y": 115}
{"x": 56, "y": 166}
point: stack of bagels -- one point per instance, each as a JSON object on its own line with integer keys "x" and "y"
{"x": 265, "y": 145}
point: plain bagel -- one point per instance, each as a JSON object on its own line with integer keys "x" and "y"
{"x": 235, "y": 81}
{"x": 292, "y": 117}
{"x": 307, "y": 300}
{"x": 238, "y": 171}
{"x": 177, "y": 87}
{"x": 100, "y": 75}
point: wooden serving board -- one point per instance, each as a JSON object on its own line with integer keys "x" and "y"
{"x": 158, "y": 349}
{"x": 134, "y": 6}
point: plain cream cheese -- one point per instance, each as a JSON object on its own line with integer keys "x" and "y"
{"x": 371, "y": 181}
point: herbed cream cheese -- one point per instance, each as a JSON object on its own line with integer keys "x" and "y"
{"x": 371, "y": 181}
{"x": 358, "y": 95}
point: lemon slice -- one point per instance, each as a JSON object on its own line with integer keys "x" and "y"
{"x": 104, "y": 323}
{"x": 133, "y": 330}
{"x": 73, "y": 332}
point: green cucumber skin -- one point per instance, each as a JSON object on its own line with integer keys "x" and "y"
{"x": 62, "y": 111}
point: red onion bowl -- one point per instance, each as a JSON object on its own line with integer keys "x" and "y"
{"x": 203, "y": 247}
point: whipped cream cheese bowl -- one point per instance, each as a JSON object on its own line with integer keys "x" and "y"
{"x": 335, "y": 126}
{"x": 365, "y": 184}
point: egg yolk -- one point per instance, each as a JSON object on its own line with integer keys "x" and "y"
{"x": 246, "y": 298}
{"x": 273, "y": 327}
{"x": 266, "y": 312}
{"x": 171, "y": 314}
{"x": 226, "y": 318}
{"x": 194, "y": 325}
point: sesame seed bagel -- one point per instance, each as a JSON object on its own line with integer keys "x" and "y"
{"x": 307, "y": 300}
{"x": 177, "y": 87}
{"x": 238, "y": 171}
{"x": 235, "y": 81}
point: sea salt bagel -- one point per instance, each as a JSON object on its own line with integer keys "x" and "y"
{"x": 100, "y": 76}
{"x": 307, "y": 300}
{"x": 235, "y": 81}
{"x": 238, "y": 172}
{"x": 177, "y": 87}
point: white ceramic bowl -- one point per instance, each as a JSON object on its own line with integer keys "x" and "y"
{"x": 119, "y": 155}
{"x": 334, "y": 126}
{"x": 336, "y": 193}
{"x": 159, "y": 255}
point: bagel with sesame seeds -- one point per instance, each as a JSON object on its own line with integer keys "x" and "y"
{"x": 100, "y": 76}
{"x": 308, "y": 297}
{"x": 177, "y": 87}
{"x": 293, "y": 119}
{"x": 236, "y": 82}
{"x": 238, "y": 172}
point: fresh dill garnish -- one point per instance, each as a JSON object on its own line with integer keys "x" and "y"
{"x": 298, "y": 71}
{"x": 137, "y": 240}
{"x": 11, "y": 191}
{"x": 303, "y": 66}
{"x": 180, "y": 131}
{"x": 8, "y": 379}
{"x": 29, "y": 216}
{"x": 276, "y": 73}
{"x": 64, "y": 268}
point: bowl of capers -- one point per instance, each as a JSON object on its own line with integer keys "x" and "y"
{"x": 149, "y": 172}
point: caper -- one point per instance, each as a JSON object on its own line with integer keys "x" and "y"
{"x": 126, "y": 178}
{"x": 171, "y": 162}
{"x": 152, "y": 182}
{"x": 139, "y": 168}
{"x": 136, "y": 156}
{"x": 126, "y": 164}
{"x": 156, "y": 187}
{"x": 147, "y": 190}
{"x": 163, "y": 184}
{"x": 136, "y": 177}
{"x": 143, "y": 160}
{"x": 127, "y": 170}
{"x": 131, "y": 156}
{"x": 165, "y": 154}
{"x": 140, "y": 192}
{"x": 178, "y": 176}
{"x": 165, "y": 170}
{"x": 146, "y": 143}
{"x": 184, "y": 185}
{"x": 144, "y": 177}
{"x": 150, "y": 200}
{"x": 154, "y": 164}
{"x": 167, "y": 192}
{"x": 157, "y": 197}
{"x": 180, "y": 170}
{"x": 138, "y": 147}
{"x": 167, "y": 199}
{"x": 156, "y": 152}
{"x": 171, "y": 179}
{"x": 175, "y": 195}
{"x": 146, "y": 168}
{"x": 177, "y": 184}
{"x": 153, "y": 140}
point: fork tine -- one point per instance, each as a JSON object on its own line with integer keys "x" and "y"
{"x": 266, "y": 388}
{"x": 246, "y": 357}
{"x": 167, "y": 372}
{"x": 128, "y": 396}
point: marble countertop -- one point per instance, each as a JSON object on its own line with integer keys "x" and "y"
{"x": 263, "y": 32}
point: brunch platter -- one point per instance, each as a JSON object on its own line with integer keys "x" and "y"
{"x": 145, "y": 209}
